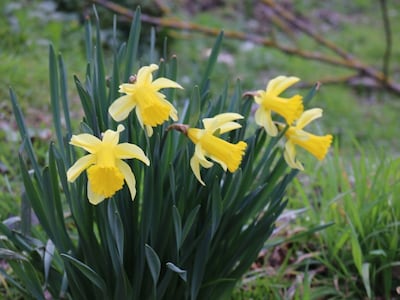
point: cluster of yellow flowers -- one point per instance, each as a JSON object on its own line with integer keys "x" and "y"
{"x": 107, "y": 171}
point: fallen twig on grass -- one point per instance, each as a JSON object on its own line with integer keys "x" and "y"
{"x": 345, "y": 59}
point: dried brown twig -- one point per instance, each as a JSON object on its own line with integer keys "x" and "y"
{"x": 345, "y": 59}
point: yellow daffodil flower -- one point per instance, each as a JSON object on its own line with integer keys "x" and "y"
{"x": 105, "y": 169}
{"x": 316, "y": 145}
{"x": 228, "y": 155}
{"x": 143, "y": 94}
{"x": 269, "y": 101}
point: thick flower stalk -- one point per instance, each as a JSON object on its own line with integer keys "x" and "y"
{"x": 105, "y": 169}
{"x": 152, "y": 109}
{"x": 208, "y": 144}
{"x": 269, "y": 101}
{"x": 317, "y": 145}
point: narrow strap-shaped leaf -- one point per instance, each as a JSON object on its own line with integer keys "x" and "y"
{"x": 34, "y": 197}
{"x": 48, "y": 258}
{"x": 182, "y": 273}
{"x": 88, "y": 272}
{"x": 311, "y": 94}
{"x": 29, "y": 276}
{"x": 177, "y": 226}
{"x": 99, "y": 79}
{"x": 88, "y": 40}
{"x": 172, "y": 73}
{"x": 24, "y": 134}
{"x": 153, "y": 262}
{"x": 26, "y": 214}
{"x": 64, "y": 93}
{"x": 117, "y": 229}
{"x": 189, "y": 222}
{"x": 211, "y": 62}
{"x": 152, "y": 49}
{"x": 200, "y": 262}
{"x": 216, "y": 207}
{"x": 9, "y": 254}
{"x": 55, "y": 97}
{"x": 132, "y": 45}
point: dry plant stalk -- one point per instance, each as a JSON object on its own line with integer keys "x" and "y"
{"x": 364, "y": 73}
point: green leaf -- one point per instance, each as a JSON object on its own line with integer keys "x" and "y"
{"x": 26, "y": 214}
{"x": 88, "y": 40}
{"x": 55, "y": 98}
{"x": 216, "y": 207}
{"x": 8, "y": 254}
{"x": 30, "y": 279}
{"x": 365, "y": 274}
{"x": 132, "y": 45}
{"x": 212, "y": 60}
{"x": 26, "y": 141}
{"x": 356, "y": 253}
{"x": 34, "y": 197}
{"x": 87, "y": 105}
{"x": 48, "y": 257}
{"x": 311, "y": 94}
{"x": 153, "y": 262}
{"x": 177, "y": 226}
{"x": 200, "y": 262}
{"x": 117, "y": 229}
{"x": 64, "y": 93}
{"x": 87, "y": 271}
{"x": 99, "y": 80}
{"x": 182, "y": 273}
{"x": 189, "y": 222}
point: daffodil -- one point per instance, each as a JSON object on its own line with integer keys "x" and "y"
{"x": 208, "y": 144}
{"x": 143, "y": 94}
{"x": 105, "y": 168}
{"x": 269, "y": 101}
{"x": 317, "y": 145}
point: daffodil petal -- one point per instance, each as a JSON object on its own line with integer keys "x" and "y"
{"x": 127, "y": 88}
{"x": 258, "y": 98}
{"x": 199, "y": 153}
{"x": 308, "y": 116}
{"x": 263, "y": 118}
{"x": 216, "y": 122}
{"x": 129, "y": 177}
{"x": 220, "y": 162}
{"x": 162, "y": 83}
{"x": 85, "y": 141}
{"x": 279, "y": 84}
{"x": 139, "y": 116}
{"x": 149, "y": 130}
{"x": 144, "y": 74}
{"x": 290, "y": 156}
{"x": 120, "y": 108}
{"x": 93, "y": 197}
{"x": 79, "y": 166}
{"x": 195, "y": 165}
{"x": 229, "y": 127}
{"x": 127, "y": 151}
{"x": 111, "y": 136}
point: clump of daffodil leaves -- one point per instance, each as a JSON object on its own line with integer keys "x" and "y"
{"x": 166, "y": 190}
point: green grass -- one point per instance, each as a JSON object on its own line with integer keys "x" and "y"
{"x": 357, "y": 256}
{"x": 351, "y": 188}
{"x": 26, "y": 30}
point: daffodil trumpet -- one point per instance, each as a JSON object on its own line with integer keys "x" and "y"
{"x": 208, "y": 144}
